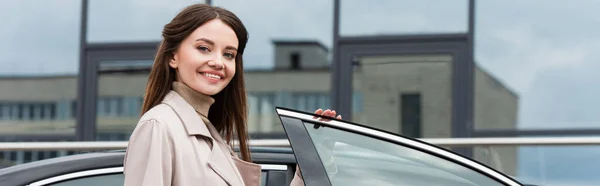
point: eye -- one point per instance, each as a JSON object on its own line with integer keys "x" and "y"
{"x": 204, "y": 48}
{"x": 229, "y": 55}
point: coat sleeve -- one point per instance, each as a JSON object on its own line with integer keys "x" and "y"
{"x": 297, "y": 180}
{"x": 148, "y": 159}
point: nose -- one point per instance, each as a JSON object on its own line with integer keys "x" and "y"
{"x": 217, "y": 63}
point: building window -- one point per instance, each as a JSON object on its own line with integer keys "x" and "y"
{"x": 410, "y": 109}
{"x": 53, "y": 111}
{"x": 14, "y": 111}
{"x": 110, "y": 106}
{"x": 295, "y": 61}
{"x": 30, "y": 108}
{"x": 27, "y": 156}
{"x": 21, "y": 111}
{"x": 53, "y": 154}
{"x": 44, "y": 111}
{"x": 74, "y": 109}
{"x": 41, "y": 155}
{"x": 36, "y": 111}
{"x": 13, "y": 156}
{"x": 6, "y": 111}
{"x": 357, "y": 102}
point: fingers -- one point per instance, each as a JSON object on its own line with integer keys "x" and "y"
{"x": 319, "y": 111}
{"x": 328, "y": 113}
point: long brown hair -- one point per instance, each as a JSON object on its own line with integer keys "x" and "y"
{"x": 229, "y": 112}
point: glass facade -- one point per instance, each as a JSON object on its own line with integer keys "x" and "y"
{"x": 36, "y": 84}
{"x": 131, "y": 20}
{"x": 405, "y": 17}
{"x": 533, "y": 71}
{"x": 121, "y": 85}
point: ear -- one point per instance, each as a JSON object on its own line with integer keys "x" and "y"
{"x": 174, "y": 63}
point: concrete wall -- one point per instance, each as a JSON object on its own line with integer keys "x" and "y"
{"x": 311, "y": 56}
{"x": 122, "y": 84}
{"x": 38, "y": 89}
{"x": 496, "y": 106}
{"x": 382, "y": 85}
{"x": 301, "y": 81}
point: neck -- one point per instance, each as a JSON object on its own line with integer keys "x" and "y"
{"x": 199, "y": 101}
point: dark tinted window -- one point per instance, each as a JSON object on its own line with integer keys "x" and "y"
{"x": 411, "y": 115}
{"x": 27, "y": 156}
{"x": 53, "y": 154}
{"x": 41, "y": 155}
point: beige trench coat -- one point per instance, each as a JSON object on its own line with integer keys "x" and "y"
{"x": 172, "y": 146}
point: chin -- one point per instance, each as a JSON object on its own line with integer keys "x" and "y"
{"x": 211, "y": 91}
{"x": 208, "y": 92}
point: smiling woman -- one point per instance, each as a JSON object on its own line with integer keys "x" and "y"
{"x": 211, "y": 56}
{"x": 198, "y": 68}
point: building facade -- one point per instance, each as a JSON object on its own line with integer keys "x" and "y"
{"x": 408, "y": 95}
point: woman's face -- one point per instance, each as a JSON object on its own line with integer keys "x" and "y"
{"x": 205, "y": 60}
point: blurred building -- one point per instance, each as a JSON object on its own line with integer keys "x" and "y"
{"x": 408, "y": 95}
{"x": 75, "y": 70}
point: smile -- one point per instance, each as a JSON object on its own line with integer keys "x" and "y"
{"x": 213, "y": 76}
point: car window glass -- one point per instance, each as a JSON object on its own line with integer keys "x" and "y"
{"x": 263, "y": 178}
{"x": 354, "y": 159}
{"x": 100, "y": 180}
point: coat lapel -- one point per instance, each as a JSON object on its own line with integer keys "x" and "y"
{"x": 189, "y": 117}
{"x": 219, "y": 160}
{"x": 227, "y": 154}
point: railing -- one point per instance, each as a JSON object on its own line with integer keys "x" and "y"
{"x": 445, "y": 142}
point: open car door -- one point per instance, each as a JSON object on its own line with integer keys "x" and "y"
{"x": 335, "y": 152}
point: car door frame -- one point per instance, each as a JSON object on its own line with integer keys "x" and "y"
{"x": 314, "y": 172}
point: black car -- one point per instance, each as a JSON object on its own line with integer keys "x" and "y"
{"x": 328, "y": 151}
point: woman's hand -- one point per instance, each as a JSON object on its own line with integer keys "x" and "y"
{"x": 328, "y": 113}
{"x": 325, "y": 146}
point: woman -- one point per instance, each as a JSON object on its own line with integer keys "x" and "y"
{"x": 195, "y": 106}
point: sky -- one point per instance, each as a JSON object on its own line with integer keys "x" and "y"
{"x": 546, "y": 52}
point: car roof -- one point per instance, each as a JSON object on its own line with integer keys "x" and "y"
{"x": 22, "y": 174}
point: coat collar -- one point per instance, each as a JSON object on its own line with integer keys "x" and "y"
{"x": 189, "y": 117}
{"x": 220, "y": 156}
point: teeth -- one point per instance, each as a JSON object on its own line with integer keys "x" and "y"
{"x": 212, "y": 75}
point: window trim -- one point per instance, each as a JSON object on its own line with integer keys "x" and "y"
{"x": 273, "y": 167}
{"x": 409, "y": 142}
{"x": 64, "y": 177}
{"x": 119, "y": 170}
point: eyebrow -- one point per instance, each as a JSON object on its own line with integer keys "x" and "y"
{"x": 210, "y": 42}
